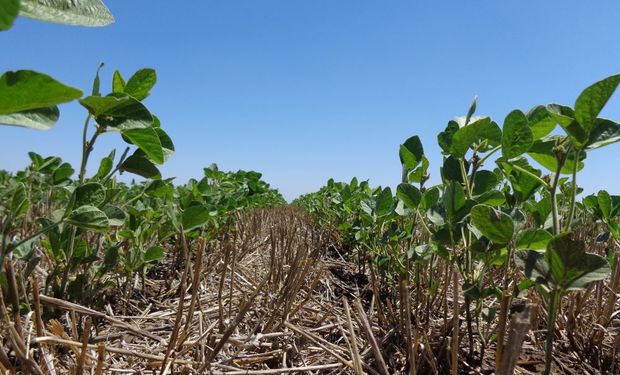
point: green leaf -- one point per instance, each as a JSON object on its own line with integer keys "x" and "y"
{"x": 153, "y": 254}
{"x": 543, "y": 152}
{"x": 523, "y": 184}
{"x": 122, "y": 112}
{"x": 25, "y": 90}
{"x": 592, "y": 100}
{"x": 411, "y": 152}
{"x": 493, "y": 224}
{"x": 577, "y": 133}
{"x": 89, "y": 217}
{"x": 444, "y": 139}
{"x": 605, "y": 132}
{"x": 535, "y": 267}
{"x": 454, "y": 200}
{"x": 97, "y": 82}
{"x": 466, "y": 136}
{"x": 409, "y": 195}
{"x": 540, "y": 121}
{"x": 148, "y": 141}
{"x": 517, "y": 136}
{"x": 384, "y": 202}
{"x": 492, "y": 198}
{"x": 166, "y": 143}
{"x": 140, "y": 84}
{"x": 484, "y": 181}
{"x": 571, "y": 266}
{"x": 430, "y": 197}
{"x": 533, "y": 239}
{"x": 91, "y": 193}
{"x": 195, "y": 217}
{"x": 118, "y": 83}
{"x": 605, "y": 204}
{"x": 115, "y": 215}
{"x": 19, "y": 201}
{"x": 106, "y": 165}
{"x": 8, "y": 12}
{"x": 420, "y": 173}
{"x": 451, "y": 169}
{"x": 70, "y": 12}
{"x": 38, "y": 118}
{"x": 139, "y": 164}
{"x": 62, "y": 174}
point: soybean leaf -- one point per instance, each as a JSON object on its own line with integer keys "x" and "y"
{"x": 454, "y": 200}
{"x": 420, "y": 173}
{"x": 540, "y": 121}
{"x": 38, "y": 118}
{"x": 535, "y": 267}
{"x": 565, "y": 116}
{"x": 70, "y": 12}
{"x": 121, "y": 112}
{"x": 62, "y": 174}
{"x": 19, "y": 201}
{"x": 384, "y": 202}
{"x": 91, "y": 193}
{"x": 140, "y": 84}
{"x": 451, "y": 169}
{"x": 89, "y": 217}
{"x": 493, "y": 224}
{"x": 106, "y": 165}
{"x": 97, "y": 82}
{"x": 194, "y": 217}
{"x": 523, "y": 184}
{"x": 543, "y": 152}
{"x": 115, "y": 215}
{"x": 25, "y": 90}
{"x": 444, "y": 139}
{"x": 605, "y": 132}
{"x": 466, "y": 136}
{"x": 484, "y": 181}
{"x": 605, "y": 204}
{"x": 517, "y": 136}
{"x": 118, "y": 83}
{"x": 409, "y": 195}
{"x": 492, "y": 198}
{"x": 153, "y": 254}
{"x": 139, "y": 164}
{"x": 571, "y": 266}
{"x": 592, "y": 100}
{"x": 148, "y": 141}
{"x": 533, "y": 239}
{"x": 166, "y": 143}
{"x": 430, "y": 197}
{"x": 411, "y": 152}
{"x": 8, "y": 12}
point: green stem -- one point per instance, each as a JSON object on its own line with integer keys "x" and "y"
{"x": 494, "y": 150}
{"x": 552, "y": 313}
{"x": 554, "y": 202}
{"x": 87, "y": 146}
{"x": 571, "y": 211}
{"x": 465, "y": 177}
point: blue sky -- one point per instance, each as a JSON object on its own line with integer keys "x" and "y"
{"x": 307, "y": 90}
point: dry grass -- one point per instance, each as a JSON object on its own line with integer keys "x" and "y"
{"x": 275, "y": 296}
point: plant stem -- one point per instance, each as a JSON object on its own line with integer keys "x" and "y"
{"x": 465, "y": 177}
{"x": 87, "y": 147}
{"x": 571, "y": 211}
{"x": 552, "y": 310}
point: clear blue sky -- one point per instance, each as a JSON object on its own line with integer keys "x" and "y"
{"x": 306, "y": 90}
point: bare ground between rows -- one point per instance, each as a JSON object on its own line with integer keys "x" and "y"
{"x": 274, "y": 295}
